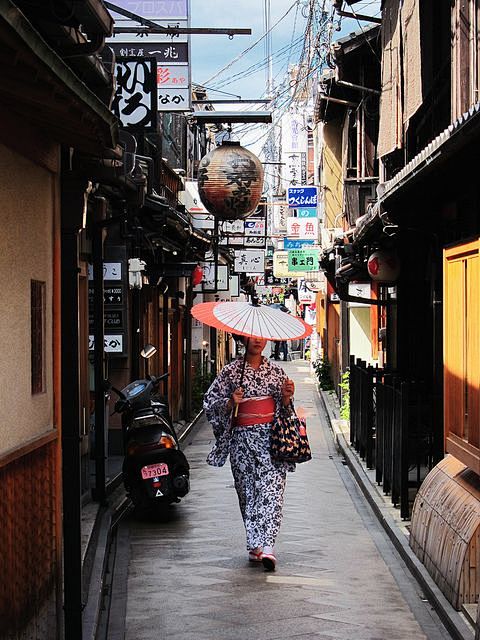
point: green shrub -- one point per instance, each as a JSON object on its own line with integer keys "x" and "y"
{"x": 322, "y": 371}
{"x": 345, "y": 395}
{"x": 199, "y": 385}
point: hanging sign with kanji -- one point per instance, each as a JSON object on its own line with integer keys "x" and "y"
{"x": 289, "y": 243}
{"x": 135, "y": 102}
{"x": 163, "y": 52}
{"x": 280, "y": 266}
{"x": 154, "y": 8}
{"x": 302, "y": 228}
{"x": 305, "y": 295}
{"x": 173, "y": 99}
{"x": 250, "y": 261}
{"x": 255, "y": 230}
{"x": 295, "y": 167}
{"x": 171, "y": 51}
{"x": 302, "y": 197}
{"x": 307, "y": 212}
{"x": 303, "y": 259}
{"x": 280, "y": 214}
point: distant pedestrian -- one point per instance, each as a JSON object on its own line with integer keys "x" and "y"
{"x": 260, "y": 483}
{"x": 281, "y": 347}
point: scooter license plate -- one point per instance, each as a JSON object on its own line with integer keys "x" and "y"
{"x": 154, "y": 470}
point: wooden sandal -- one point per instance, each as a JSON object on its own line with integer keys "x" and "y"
{"x": 269, "y": 561}
{"x": 255, "y": 556}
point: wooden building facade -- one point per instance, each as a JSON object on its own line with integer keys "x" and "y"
{"x": 45, "y": 94}
{"x": 428, "y": 214}
{"x": 347, "y": 114}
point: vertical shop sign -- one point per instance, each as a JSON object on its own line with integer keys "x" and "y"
{"x": 169, "y": 50}
{"x": 115, "y": 308}
{"x": 280, "y": 215}
{"x": 135, "y": 102}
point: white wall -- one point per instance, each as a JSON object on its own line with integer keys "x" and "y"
{"x": 360, "y": 345}
{"x": 26, "y": 253}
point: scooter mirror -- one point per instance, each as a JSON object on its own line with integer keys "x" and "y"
{"x": 148, "y": 351}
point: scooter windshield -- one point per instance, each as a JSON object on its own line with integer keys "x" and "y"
{"x": 137, "y": 389}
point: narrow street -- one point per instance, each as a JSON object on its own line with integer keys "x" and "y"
{"x": 338, "y": 575}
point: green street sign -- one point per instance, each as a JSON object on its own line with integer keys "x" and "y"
{"x": 303, "y": 259}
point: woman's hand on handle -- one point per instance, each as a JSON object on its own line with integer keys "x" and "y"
{"x": 288, "y": 389}
{"x": 236, "y": 398}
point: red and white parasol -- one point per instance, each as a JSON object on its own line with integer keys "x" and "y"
{"x": 251, "y": 320}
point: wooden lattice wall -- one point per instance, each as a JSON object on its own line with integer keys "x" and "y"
{"x": 28, "y": 539}
{"x": 445, "y": 530}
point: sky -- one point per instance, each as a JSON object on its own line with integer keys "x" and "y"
{"x": 210, "y": 53}
{"x": 236, "y": 68}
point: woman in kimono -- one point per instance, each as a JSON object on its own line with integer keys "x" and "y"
{"x": 259, "y": 482}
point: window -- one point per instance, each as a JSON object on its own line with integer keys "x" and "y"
{"x": 37, "y": 293}
{"x": 465, "y": 55}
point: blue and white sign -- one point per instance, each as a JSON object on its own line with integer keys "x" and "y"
{"x": 307, "y": 212}
{"x": 302, "y": 197}
{"x": 290, "y": 243}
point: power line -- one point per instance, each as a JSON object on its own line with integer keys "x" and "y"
{"x": 251, "y": 46}
{"x": 258, "y": 66}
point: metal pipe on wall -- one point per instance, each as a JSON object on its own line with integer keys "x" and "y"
{"x": 99, "y": 491}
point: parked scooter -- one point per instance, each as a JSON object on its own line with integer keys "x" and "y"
{"x": 155, "y": 471}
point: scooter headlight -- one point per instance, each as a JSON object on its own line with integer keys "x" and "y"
{"x": 168, "y": 442}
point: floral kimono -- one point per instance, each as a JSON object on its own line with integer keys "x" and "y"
{"x": 259, "y": 482}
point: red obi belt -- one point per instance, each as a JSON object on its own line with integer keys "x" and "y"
{"x": 252, "y": 411}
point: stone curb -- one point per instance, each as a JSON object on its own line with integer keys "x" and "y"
{"x": 189, "y": 426}
{"x": 453, "y": 620}
{"x": 107, "y": 519}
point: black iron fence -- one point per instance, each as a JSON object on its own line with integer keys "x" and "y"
{"x": 391, "y": 428}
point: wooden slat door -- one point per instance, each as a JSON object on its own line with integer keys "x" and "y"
{"x": 462, "y": 352}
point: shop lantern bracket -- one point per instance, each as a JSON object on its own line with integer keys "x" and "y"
{"x": 148, "y": 26}
{"x": 239, "y": 101}
{"x": 360, "y": 16}
{"x": 219, "y": 117}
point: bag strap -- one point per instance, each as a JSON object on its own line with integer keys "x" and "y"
{"x": 290, "y": 406}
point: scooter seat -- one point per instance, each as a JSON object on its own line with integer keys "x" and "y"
{"x": 142, "y": 413}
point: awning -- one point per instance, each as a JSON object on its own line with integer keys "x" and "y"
{"x": 452, "y": 139}
{"x": 38, "y": 86}
{"x": 170, "y": 228}
{"x": 446, "y": 146}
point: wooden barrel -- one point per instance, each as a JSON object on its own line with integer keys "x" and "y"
{"x": 445, "y": 530}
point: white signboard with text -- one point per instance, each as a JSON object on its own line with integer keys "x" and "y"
{"x": 249, "y": 261}
{"x": 280, "y": 266}
{"x": 172, "y": 53}
{"x": 302, "y": 228}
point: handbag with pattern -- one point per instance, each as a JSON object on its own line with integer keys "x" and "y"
{"x": 289, "y": 441}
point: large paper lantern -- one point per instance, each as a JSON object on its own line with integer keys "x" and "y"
{"x": 383, "y": 266}
{"x": 230, "y": 181}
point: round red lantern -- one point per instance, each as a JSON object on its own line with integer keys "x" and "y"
{"x": 230, "y": 181}
{"x": 383, "y": 266}
{"x": 197, "y": 275}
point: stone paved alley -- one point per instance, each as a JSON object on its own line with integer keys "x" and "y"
{"x": 338, "y": 575}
